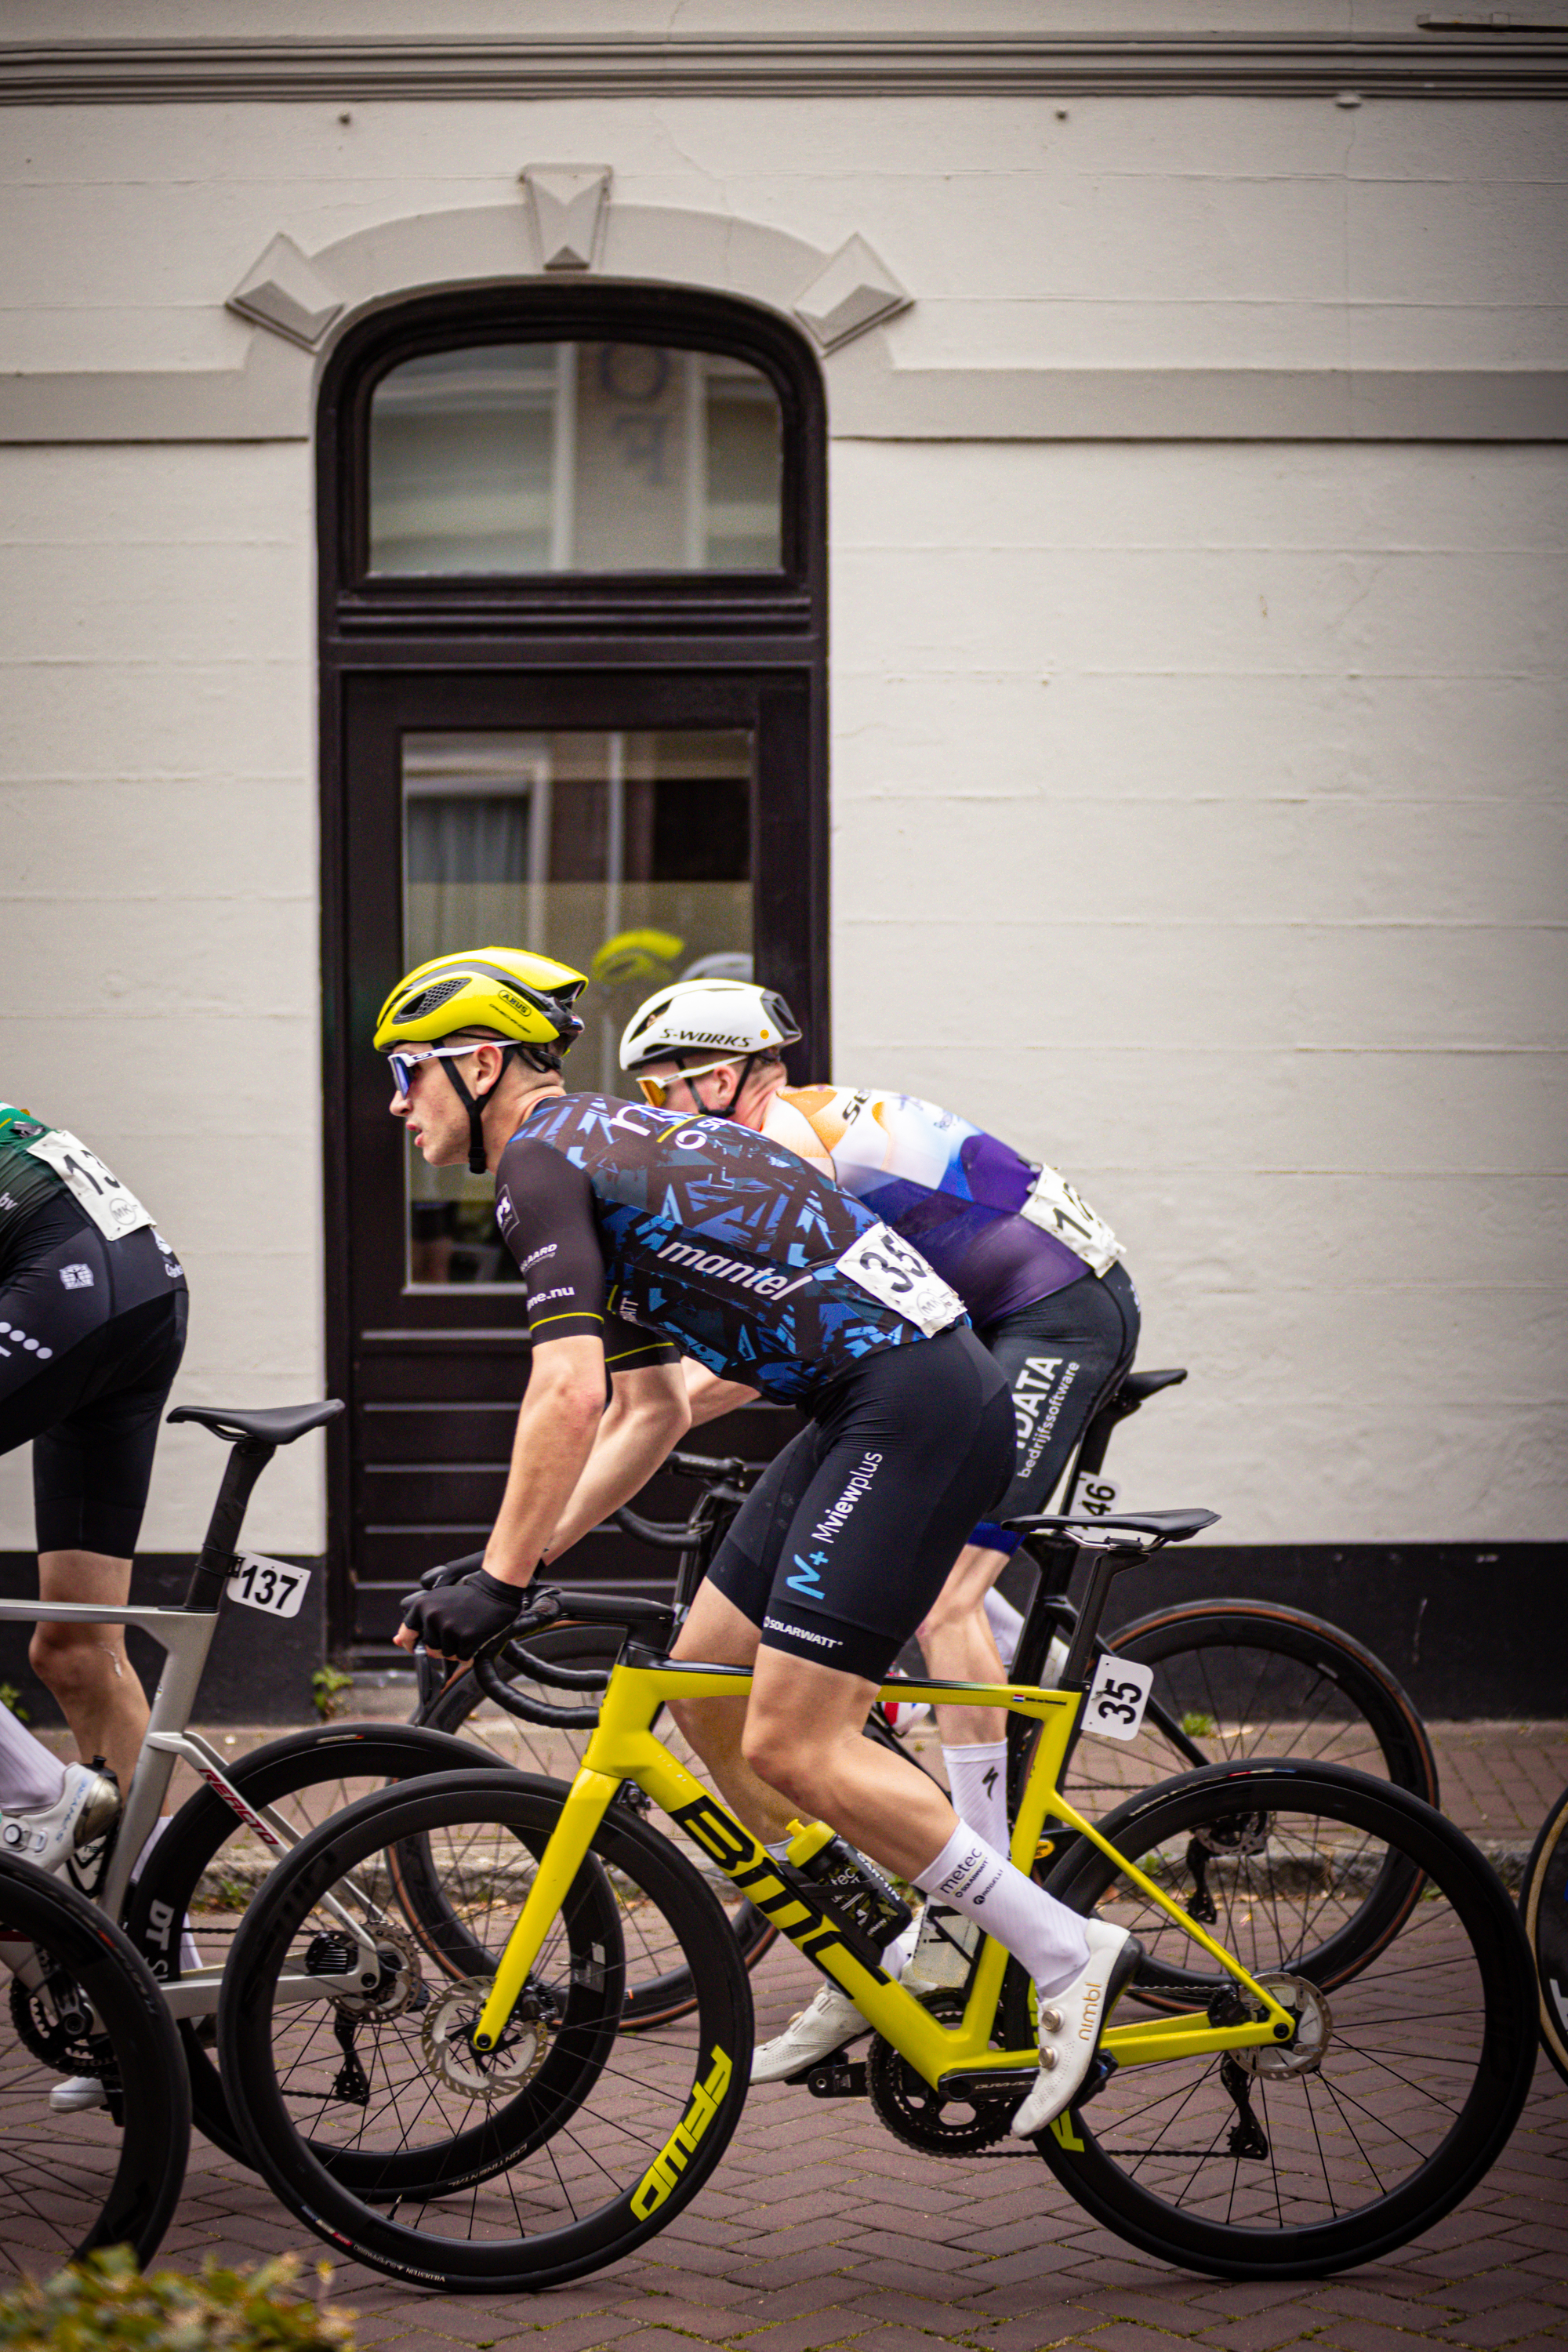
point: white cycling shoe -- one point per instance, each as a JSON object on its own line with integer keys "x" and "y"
{"x": 1070, "y": 2023}
{"x": 82, "y": 1812}
{"x": 77, "y": 2092}
{"x": 824, "y": 2026}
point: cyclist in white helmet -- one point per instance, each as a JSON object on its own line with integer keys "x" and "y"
{"x": 1036, "y": 1268}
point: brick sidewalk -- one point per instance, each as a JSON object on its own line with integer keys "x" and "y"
{"x": 822, "y": 2230}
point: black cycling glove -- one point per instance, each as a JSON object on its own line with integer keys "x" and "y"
{"x": 458, "y": 1618}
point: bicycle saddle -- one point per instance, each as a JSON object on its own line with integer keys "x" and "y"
{"x": 1163, "y": 1527}
{"x": 278, "y": 1424}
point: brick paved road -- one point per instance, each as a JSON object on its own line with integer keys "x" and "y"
{"x": 820, "y": 2230}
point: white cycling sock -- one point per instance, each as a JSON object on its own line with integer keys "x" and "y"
{"x": 190, "y": 1958}
{"x": 896, "y": 1954}
{"x": 31, "y": 1780}
{"x": 1041, "y": 1933}
{"x": 978, "y": 1778}
{"x": 1006, "y": 1624}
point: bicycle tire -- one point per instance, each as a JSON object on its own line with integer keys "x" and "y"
{"x": 1544, "y": 1907}
{"x": 1236, "y": 1680}
{"x": 461, "y": 1708}
{"x": 73, "y": 2183}
{"x": 207, "y": 1864}
{"x": 1439, "y": 2028}
{"x": 647, "y": 2128}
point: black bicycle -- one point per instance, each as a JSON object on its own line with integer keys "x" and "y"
{"x": 1544, "y": 1907}
{"x": 81, "y": 2003}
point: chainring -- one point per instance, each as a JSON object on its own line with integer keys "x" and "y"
{"x": 914, "y": 2112}
{"x": 66, "y": 2046}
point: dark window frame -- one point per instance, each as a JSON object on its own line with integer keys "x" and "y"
{"x": 790, "y": 598}
{"x": 723, "y": 643}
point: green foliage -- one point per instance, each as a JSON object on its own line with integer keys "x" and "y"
{"x": 1198, "y": 1726}
{"x": 328, "y": 1683}
{"x": 12, "y": 1697}
{"x": 104, "y": 2304}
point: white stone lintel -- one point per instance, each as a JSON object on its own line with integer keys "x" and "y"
{"x": 856, "y": 290}
{"x": 568, "y": 202}
{"x": 285, "y": 291}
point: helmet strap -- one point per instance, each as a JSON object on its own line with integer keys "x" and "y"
{"x": 478, "y": 1156}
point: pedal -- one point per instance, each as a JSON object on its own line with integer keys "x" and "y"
{"x": 834, "y": 2078}
{"x": 1095, "y": 2081}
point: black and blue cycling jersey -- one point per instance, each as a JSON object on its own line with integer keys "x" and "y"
{"x": 697, "y": 1231}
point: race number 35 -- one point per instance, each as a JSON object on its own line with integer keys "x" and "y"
{"x": 1116, "y": 1699}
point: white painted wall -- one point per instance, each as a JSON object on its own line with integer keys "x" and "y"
{"x": 1199, "y": 822}
{"x": 157, "y": 810}
{"x": 1229, "y": 774}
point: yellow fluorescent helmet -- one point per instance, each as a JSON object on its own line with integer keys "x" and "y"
{"x": 527, "y": 998}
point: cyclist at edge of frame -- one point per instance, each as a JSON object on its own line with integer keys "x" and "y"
{"x": 93, "y": 1327}
{"x": 640, "y": 1236}
{"x": 1037, "y": 1272}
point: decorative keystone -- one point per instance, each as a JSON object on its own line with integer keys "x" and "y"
{"x": 855, "y": 291}
{"x": 568, "y": 202}
{"x": 289, "y": 294}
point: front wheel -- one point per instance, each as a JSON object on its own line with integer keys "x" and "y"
{"x": 1543, "y": 1906}
{"x": 1400, "y": 2087}
{"x": 653, "y": 1997}
{"x": 76, "y": 2000}
{"x": 560, "y": 2151}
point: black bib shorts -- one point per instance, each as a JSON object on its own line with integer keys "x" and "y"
{"x": 92, "y": 1333}
{"x": 848, "y": 1537}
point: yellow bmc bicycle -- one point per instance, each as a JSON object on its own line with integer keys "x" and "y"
{"x": 424, "y": 2039}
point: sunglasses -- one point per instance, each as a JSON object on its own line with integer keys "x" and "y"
{"x": 402, "y": 1065}
{"x": 656, "y": 1091}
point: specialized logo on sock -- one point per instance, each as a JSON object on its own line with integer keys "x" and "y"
{"x": 989, "y": 1782}
{"x": 1036, "y": 1406}
{"x": 808, "y": 1583}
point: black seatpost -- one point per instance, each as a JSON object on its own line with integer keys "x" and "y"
{"x": 246, "y": 1461}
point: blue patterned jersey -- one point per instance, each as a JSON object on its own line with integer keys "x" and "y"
{"x": 708, "y": 1235}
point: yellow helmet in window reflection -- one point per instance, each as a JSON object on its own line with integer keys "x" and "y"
{"x": 634, "y": 955}
{"x": 526, "y": 998}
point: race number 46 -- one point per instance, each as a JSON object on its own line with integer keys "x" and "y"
{"x": 1117, "y": 1697}
{"x": 269, "y": 1584}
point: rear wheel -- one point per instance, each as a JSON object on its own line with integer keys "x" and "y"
{"x": 209, "y": 1863}
{"x": 1402, "y": 2084}
{"x": 1543, "y": 1906}
{"x": 556, "y": 1750}
{"x": 78, "y": 2002}
{"x": 564, "y": 2148}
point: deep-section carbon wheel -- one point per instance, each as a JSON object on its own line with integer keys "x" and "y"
{"x": 556, "y": 1750}
{"x": 208, "y": 1863}
{"x": 563, "y": 2150}
{"x": 1543, "y": 1906}
{"x": 1403, "y": 2083}
{"x": 81, "y": 2003}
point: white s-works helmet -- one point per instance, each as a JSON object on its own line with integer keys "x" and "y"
{"x": 707, "y": 1017}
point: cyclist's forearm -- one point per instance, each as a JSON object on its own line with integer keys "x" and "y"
{"x": 556, "y": 1430}
{"x": 646, "y": 1415}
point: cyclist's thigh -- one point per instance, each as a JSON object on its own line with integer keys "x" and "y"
{"x": 1062, "y": 1358}
{"x": 916, "y": 1446}
{"x": 742, "y": 1567}
{"x": 97, "y": 1405}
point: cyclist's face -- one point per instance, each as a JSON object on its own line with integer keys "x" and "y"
{"x": 763, "y": 1079}
{"x": 705, "y": 1090}
{"x": 433, "y": 1110}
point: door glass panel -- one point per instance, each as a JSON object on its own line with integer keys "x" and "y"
{"x": 529, "y": 458}
{"x": 623, "y": 853}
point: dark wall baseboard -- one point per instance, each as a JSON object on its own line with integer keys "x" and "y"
{"x": 1471, "y": 1630}
{"x": 259, "y": 1669}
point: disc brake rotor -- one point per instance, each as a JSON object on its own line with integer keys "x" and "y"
{"x": 1314, "y": 2027}
{"x": 450, "y": 2053}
